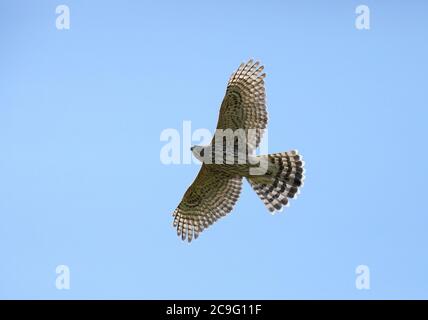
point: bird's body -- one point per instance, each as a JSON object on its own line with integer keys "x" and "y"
{"x": 229, "y": 158}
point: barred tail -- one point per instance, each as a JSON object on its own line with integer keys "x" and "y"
{"x": 282, "y": 180}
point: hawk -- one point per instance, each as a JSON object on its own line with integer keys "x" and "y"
{"x": 217, "y": 187}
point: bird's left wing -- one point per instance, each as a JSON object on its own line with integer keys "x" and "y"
{"x": 210, "y": 197}
{"x": 244, "y": 104}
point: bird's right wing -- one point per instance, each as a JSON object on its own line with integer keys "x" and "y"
{"x": 210, "y": 197}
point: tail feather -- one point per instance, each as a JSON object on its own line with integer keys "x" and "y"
{"x": 282, "y": 180}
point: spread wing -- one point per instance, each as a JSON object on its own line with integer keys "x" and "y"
{"x": 244, "y": 105}
{"x": 210, "y": 197}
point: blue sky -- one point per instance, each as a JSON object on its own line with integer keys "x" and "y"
{"x": 81, "y": 182}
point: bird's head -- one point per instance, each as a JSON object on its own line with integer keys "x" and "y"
{"x": 198, "y": 152}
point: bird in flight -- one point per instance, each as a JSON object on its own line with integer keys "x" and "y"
{"x": 230, "y": 157}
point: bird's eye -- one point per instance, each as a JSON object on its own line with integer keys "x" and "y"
{"x": 202, "y": 152}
